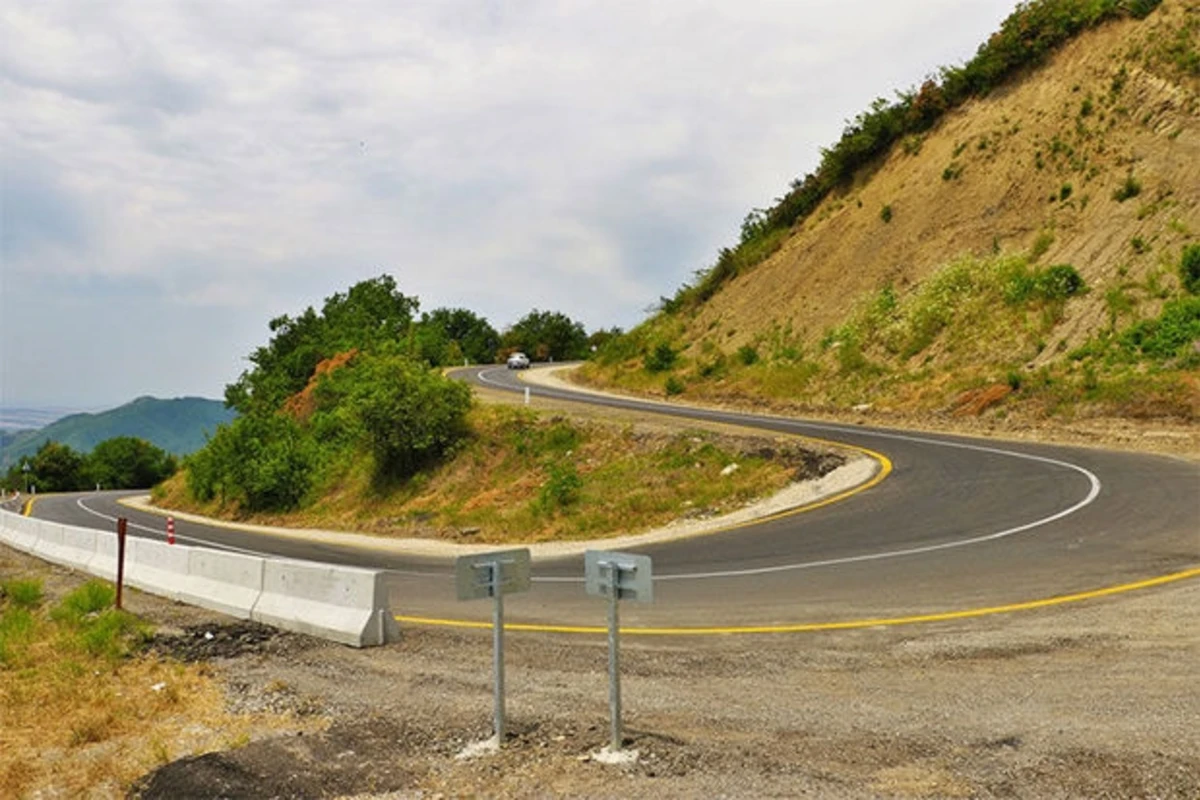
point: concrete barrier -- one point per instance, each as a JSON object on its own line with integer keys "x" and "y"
{"x": 66, "y": 545}
{"x": 17, "y": 531}
{"x": 343, "y": 604}
{"x": 157, "y": 567}
{"x": 225, "y": 582}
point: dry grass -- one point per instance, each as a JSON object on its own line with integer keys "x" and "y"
{"x": 79, "y": 723}
{"x": 527, "y": 476}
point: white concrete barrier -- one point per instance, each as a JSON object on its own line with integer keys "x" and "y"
{"x": 343, "y": 604}
{"x": 225, "y": 582}
{"x": 65, "y": 545}
{"x": 157, "y": 567}
{"x": 104, "y": 562}
{"x": 18, "y": 531}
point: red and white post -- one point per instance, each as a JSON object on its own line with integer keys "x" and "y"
{"x": 170, "y": 530}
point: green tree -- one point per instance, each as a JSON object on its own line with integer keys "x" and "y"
{"x": 548, "y": 335}
{"x": 369, "y": 314}
{"x": 410, "y": 415}
{"x": 127, "y": 462}
{"x": 261, "y": 462}
{"x": 448, "y": 335}
{"x": 57, "y": 468}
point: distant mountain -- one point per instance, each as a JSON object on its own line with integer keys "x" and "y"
{"x": 178, "y": 426}
{"x": 21, "y": 419}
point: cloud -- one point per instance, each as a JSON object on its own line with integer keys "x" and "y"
{"x": 248, "y": 159}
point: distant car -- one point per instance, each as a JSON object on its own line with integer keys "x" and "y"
{"x": 518, "y": 361}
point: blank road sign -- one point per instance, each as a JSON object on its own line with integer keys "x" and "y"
{"x": 474, "y": 575}
{"x": 628, "y": 573}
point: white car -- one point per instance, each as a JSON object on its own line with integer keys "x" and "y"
{"x": 518, "y": 361}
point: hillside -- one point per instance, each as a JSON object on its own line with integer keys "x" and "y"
{"x": 178, "y": 426}
{"x": 912, "y": 285}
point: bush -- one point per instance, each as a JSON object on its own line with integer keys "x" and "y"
{"x": 673, "y": 386}
{"x": 1189, "y": 268}
{"x": 885, "y": 213}
{"x": 660, "y": 359}
{"x": 747, "y": 355}
{"x": 561, "y": 489}
{"x": 1059, "y": 282}
{"x": 1171, "y": 335}
{"x": 1128, "y": 190}
{"x": 409, "y": 415}
{"x": 263, "y": 462}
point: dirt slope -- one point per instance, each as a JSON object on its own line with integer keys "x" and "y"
{"x": 1109, "y": 105}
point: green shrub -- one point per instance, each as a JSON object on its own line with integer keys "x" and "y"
{"x": 660, "y": 359}
{"x": 1171, "y": 335}
{"x": 885, "y": 213}
{"x": 673, "y": 386}
{"x": 1129, "y": 189}
{"x": 1059, "y": 282}
{"x": 747, "y": 355}
{"x": 1189, "y": 268}
{"x": 1064, "y": 192}
{"x": 562, "y": 487}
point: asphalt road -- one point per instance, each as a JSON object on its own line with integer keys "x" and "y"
{"x": 959, "y": 524}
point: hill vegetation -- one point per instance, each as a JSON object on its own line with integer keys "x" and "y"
{"x": 1017, "y": 236}
{"x": 347, "y": 423}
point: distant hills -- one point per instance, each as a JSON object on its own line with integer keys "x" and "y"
{"x": 178, "y": 426}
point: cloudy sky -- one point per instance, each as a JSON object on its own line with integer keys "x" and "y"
{"x": 174, "y": 174}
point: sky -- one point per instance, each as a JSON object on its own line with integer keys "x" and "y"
{"x": 175, "y": 174}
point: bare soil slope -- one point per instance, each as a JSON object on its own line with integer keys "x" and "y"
{"x": 1108, "y": 106}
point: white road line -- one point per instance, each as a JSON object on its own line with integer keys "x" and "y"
{"x": 1093, "y": 493}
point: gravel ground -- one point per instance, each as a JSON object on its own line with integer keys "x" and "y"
{"x": 1093, "y": 700}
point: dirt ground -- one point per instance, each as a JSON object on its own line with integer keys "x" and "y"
{"x": 1091, "y": 700}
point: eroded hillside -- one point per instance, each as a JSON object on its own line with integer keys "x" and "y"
{"x": 1091, "y": 159}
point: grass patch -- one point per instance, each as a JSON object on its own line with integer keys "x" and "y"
{"x": 525, "y": 476}
{"x": 78, "y": 712}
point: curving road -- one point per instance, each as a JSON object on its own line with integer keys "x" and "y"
{"x": 959, "y": 524}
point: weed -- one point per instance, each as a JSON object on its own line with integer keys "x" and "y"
{"x": 1064, "y": 192}
{"x": 1139, "y": 245}
{"x": 561, "y": 489}
{"x": 1129, "y": 189}
{"x": 1189, "y": 268}
{"x": 1014, "y": 380}
{"x": 90, "y": 598}
{"x": 912, "y": 144}
{"x": 1118, "y": 303}
{"x": 23, "y": 593}
{"x": 673, "y": 386}
{"x": 747, "y": 355}
{"x": 1086, "y": 107}
{"x": 952, "y": 172}
{"x": 885, "y": 213}
{"x": 1041, "y": 244}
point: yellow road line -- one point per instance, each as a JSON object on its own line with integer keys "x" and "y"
{"x": 27, "y": 509}
{"x": 824, "y": 626}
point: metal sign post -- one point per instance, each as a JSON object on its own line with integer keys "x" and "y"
{"x": 494, "y": 575}
{"x": 617, "y": 576}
